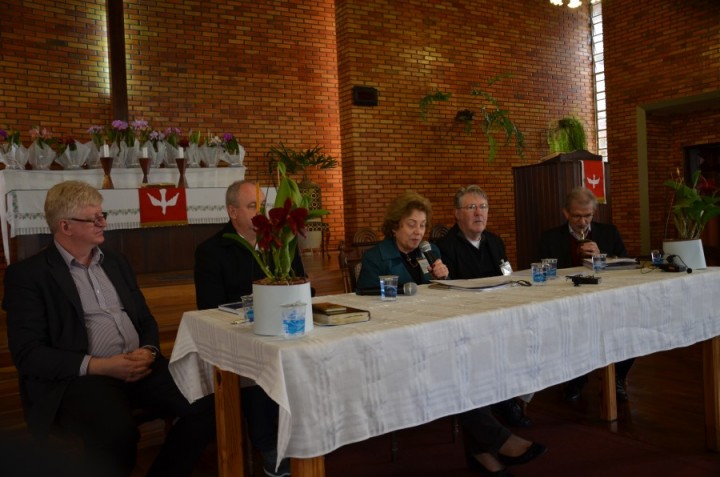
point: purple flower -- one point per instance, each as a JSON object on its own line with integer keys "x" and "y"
{"x": 156, "y": 136}
{"x": 227, "y": 137}
{"x": 119, "y": 125}
{"x": 3, "y": 134}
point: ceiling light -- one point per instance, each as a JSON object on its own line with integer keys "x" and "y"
{"x": 574, "y": 3}
{"x": 557, "y": 2}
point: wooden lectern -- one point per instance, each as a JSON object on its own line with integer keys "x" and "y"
{"x": 540, "y": 191}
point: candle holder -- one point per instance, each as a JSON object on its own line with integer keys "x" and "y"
{"x": 145, "y": 166}
{"x": 106, "y": 163}
{"x": 181, "y": 165}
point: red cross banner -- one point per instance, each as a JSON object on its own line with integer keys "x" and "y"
{"x": 162, "y": 206}
{"x": 593, "y": 173}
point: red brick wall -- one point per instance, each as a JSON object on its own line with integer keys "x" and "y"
{"x": 656, "y": 51}
{"x": 412, "y": 48}
{"x": 283, "y": 71}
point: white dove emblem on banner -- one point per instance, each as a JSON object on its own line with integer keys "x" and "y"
{"x": 163, "y": 202}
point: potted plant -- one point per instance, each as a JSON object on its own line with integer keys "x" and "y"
{"x": 567, "y": 135}
{"x": 277, "y": 244}
{"x": 299, "y": 162}
{"x": 490, "y": 118}
{"x": 693, "y": 206}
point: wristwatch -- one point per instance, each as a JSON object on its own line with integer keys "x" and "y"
{"x": 152, "y": 350}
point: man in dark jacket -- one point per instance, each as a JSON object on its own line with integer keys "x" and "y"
{"x": 470, "y": 251}
{"x": 572, "y": 242}
{"x": 224, "y": 273}
{"x": 87, "y": 347}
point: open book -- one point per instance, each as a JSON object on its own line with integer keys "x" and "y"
{"x": 332, "y": 314}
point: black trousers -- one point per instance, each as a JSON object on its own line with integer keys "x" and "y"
{"x": 483, "y": 433}
{"x": 99, "y": 410}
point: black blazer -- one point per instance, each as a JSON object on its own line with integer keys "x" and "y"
{"x": 46, "y": 328}
{"x": 224, "y": 270}
{"x": 462, "y": 258}
{"x": 555, "y": 243}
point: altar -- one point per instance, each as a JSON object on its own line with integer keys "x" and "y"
{"x": 156, "y": 249}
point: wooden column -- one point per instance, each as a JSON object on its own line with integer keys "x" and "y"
{"x": 115, "y": 18}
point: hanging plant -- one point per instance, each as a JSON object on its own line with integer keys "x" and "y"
{"x": 567, "y": 135}
{"x": 491, "y": 118}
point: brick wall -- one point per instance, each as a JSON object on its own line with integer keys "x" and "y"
{"x": 283, "y": 71}
{"x": 410, "y": 49}
{"x": 657, "y": 51}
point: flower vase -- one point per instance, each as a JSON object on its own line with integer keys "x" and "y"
{"x": 73, "y": 160}
{"x": 193, "y": 156}
{"x": 41, "y": 156}
{"x": 133, "y": 155}
{"x": 690, "y": 252}
{"x": 237, "y": 159}
{"x": 268, "y": 302}
{"x": 14, "y": 157}
{"x": 210, "y": 155}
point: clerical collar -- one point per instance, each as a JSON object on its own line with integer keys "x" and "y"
{"x": 577, "y": 235}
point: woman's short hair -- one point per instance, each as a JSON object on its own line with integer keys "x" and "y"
{"x": 471, "y": 189}
{"x": 580, "y": 196}
{"x": 401, "y": 207}
{"x": 64, "y": 200}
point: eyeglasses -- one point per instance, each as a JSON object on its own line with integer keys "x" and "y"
{"x": 97, "y": 221}
{"x": 474, "y": 207}
{"x": 580, "y": 217}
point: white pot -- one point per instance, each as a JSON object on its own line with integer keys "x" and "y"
{"x": 268, "y": 301}
{"x": 689, "y": 251}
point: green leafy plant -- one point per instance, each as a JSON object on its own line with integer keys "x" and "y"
{"x": 567, "y": 135}
{"x": 277, "y": 241}
{"x": 298, "y": 162}
{"x": 491, "y": 118}
{"x": 693, "y": 205}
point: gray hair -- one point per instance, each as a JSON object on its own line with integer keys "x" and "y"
{"x": 232, "y": 192}
{"x": 471, "y": 189}
{"x": 580, "y": 196}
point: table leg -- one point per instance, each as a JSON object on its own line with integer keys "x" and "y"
{"x": 711, "y": 368}
{"x": 313, "y": 467}
{"x": 608, "y": 403}
{"x": 228, "y": 419}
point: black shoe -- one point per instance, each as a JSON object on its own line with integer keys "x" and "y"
{"x": 474, "y": 465}
{"x": 620, "y": 392}
{"x": 511, "y": 412}
{"x": 535, "y": 450}
{"x": 573, "y": 390}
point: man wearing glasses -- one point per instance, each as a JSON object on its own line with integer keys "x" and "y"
{"x": 470, "y": 251}
{"x": 579, "y": 238}
{"x": 87, "y": 347}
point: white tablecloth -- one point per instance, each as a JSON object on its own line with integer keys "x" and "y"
{"x": 442, "y": 352}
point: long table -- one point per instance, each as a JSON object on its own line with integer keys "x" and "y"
{"x": 442, "y": 352}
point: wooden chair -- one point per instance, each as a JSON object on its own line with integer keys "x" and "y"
{"x": 437, "y": 232}
{"x": 350, "y": 268}
{"x": 363, "y": 240}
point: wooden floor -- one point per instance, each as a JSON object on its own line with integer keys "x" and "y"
{"x": 665, "y": 389}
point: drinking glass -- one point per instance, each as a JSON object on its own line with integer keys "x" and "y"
{"x": 539, "y": 273}
{"x": 599, "y": 262}
{"x": 388, "y": 287}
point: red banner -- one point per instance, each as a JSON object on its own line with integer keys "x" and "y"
{"x": 162, "y": 206}
{"x": 594, "y": 178}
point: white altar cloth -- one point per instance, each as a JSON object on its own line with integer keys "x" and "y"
{"x": 21, "y": 211}
{"x": 442, "y": 352}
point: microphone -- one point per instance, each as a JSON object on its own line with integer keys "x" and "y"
{"x": 426, "y": 250}
{"x": 409, "y": 289}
